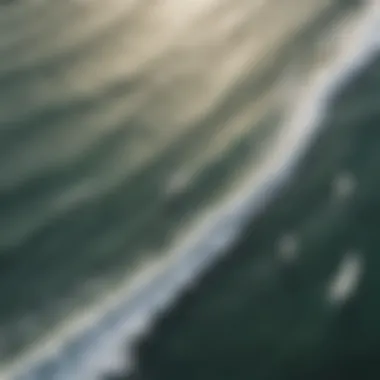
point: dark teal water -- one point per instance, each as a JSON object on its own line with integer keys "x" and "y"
{"x": 147, "y": 148}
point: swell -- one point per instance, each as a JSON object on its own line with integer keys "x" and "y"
{"x": 23, "y": 140}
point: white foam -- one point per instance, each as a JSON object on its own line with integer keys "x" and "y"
{"x": 102, "y": 334}
{"x": 346, "y": 279}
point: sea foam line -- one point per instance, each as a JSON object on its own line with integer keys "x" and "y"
{"x": 88, "y": 347}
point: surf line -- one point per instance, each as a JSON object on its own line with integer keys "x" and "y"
{"x": 97, "y": 342}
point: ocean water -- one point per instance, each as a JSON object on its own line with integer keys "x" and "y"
{"x": 188, "y": 190}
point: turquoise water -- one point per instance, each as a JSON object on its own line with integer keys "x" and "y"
{"x": 138, "y": 143}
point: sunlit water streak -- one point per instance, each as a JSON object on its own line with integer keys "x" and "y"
{"x": 86, "y": 346}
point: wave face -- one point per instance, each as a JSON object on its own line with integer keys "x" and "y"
{"x": 137, "y": 140}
